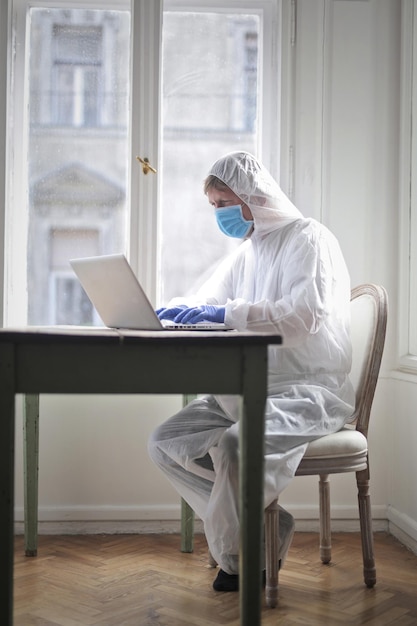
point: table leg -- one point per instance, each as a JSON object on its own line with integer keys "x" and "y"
{"x": 187, "y": 513}
{"x": 7, "y": 443}
{"x": 251, "y": 486}
{"x": 31, "y": 471}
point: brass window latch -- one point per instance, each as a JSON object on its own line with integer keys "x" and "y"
{"x": 146, "y": 166}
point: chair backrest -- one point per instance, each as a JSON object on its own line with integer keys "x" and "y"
{"x": 369, "y": 306}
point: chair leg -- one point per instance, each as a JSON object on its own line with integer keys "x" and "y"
{"x": 325, "y": 524}
{"x": 271, "y": 553}
{"x": 365, "y": 518}
{"x": 31, "y": 471}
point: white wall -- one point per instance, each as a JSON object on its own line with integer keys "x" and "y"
{"x": 346, "y": 174}
{"x": 402, "y": 460}
{"x": 94, "y": 465}
{"x": 347, "y": 163}
{"x": 93, "y": 460}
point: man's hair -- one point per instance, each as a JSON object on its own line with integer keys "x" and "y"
{"x": 212, "y": 182}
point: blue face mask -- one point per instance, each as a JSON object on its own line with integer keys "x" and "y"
{"x": 232, "y": 223}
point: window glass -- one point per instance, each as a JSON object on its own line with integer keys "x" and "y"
{"x": 210, "y": 107}
{"x": 78, "y": 78}
{"x": 77, "y": 67}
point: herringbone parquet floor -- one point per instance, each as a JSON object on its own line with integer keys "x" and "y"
{"x": 143, "y": 580}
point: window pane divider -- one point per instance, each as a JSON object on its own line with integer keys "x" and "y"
{"x": 145, "y": 141}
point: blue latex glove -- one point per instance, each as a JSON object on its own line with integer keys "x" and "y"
{"x": 169, "y": 313}
{"x": 205, "y": 313}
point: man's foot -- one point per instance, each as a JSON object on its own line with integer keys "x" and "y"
{"x": 230, "y": 582}
{"x": 226, "y": 582}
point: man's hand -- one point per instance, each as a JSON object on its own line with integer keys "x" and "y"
{"x": 170, "y": 313}
{"x": 205, "y": 313}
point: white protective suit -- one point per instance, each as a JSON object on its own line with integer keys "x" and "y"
{"x": 288, "y": 278}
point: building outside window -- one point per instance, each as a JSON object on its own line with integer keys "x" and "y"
{"x": 76, "y": 98}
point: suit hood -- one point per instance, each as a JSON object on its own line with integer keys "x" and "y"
{"x": 252, "y": 182}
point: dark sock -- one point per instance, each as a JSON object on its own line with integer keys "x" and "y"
{"x": 226, "y": 582}
{"x": 230, "y": 582}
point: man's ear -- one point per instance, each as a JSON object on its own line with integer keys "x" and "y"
{"x": 259, "y": 200}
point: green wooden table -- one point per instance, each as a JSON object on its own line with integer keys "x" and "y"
{"x": 62, "y": 360}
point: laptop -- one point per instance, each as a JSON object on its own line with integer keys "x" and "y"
{"x": 119, "y": 299}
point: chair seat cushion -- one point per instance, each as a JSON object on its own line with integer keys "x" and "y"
{"x": 345, "y": 442}
{"x": 344, "y": 451}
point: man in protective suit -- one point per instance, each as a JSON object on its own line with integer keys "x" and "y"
{"x": 287, "y": 277}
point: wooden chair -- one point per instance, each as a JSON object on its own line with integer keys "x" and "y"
{"x": 346, "y": 450}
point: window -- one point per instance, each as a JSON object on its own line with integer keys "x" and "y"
{"x": 93, "y": 86}
{"x": 76, "y": 74}
{"x": 74, "y": 58}
{"x": 67, "y": 300}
